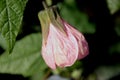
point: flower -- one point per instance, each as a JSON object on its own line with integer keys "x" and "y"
{"x": 62, "y": 44}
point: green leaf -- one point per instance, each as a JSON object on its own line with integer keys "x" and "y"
{"x": 25, "y": 58}
{"x": 117, "y": 25}
{"x": 115, "y": 48}
{"x": 75, "y": 17}
{"x": 42, "y": 75}
{"x": 39, "y": 76}
{"x": 3, "y": 42}
{"x": 107, "y": 72}
{"x": 113, "y": 5}
{"x": 11, "y": 15}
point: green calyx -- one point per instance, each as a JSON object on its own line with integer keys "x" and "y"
{"x": 47, "y": 17}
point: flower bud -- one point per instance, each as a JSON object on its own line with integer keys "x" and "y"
{"x": 62, "y": 44}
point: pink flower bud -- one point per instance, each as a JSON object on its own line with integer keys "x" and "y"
{"x": 62, "y": 44}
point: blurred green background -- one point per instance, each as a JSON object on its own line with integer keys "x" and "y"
{"x": 98, "y": 20}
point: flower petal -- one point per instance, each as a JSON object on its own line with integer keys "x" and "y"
{"x": 82, "y": 43}
{"x": 47, "y": 53}
{"x": 65, "y": 47}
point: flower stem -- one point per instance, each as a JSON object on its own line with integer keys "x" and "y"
{"x": 49, "y": 2}
{"x": 44, "y": 5}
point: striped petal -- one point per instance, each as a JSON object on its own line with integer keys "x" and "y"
{"x": 82, "y": 43}
{"x": 65, "y": 47}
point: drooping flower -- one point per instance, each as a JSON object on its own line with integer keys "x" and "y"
{"x": 62, "y": 44}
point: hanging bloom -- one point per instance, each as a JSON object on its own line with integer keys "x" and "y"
{"x": 62, "y": 44}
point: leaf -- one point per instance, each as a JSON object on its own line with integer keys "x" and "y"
{"x": 107, "y": 72}
{"x": 2, "y": 42}
{"x": 75, "y": 17}
{"x": 115, "y": 48}
{"x": 25, "y": 58}
{"x": 113, "y": 5}
{"x": 117, "y": 25}
{"x": 11, "y": 15}
{"x": 39, "y": 76}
